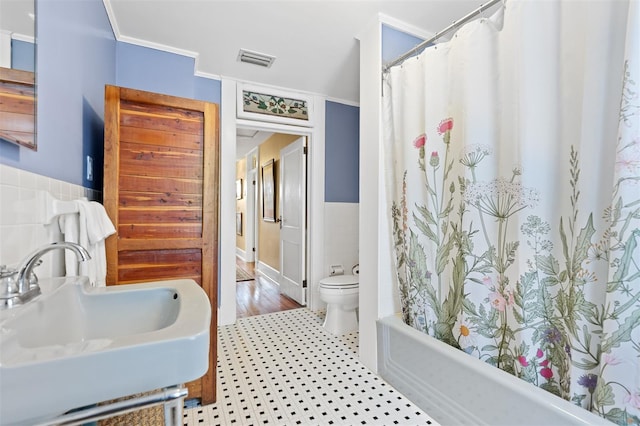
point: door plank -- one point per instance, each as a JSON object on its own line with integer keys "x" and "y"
{"x": 161, "y": 138}
{"x": 156, "y": 122}
{"x": 210, "y": 222}
{"x": 147, "y": 244}
{"x": 159, "y": 231}
{"x": 150, "y": 160}
{"x": 175, "y": 256}
{"x": 157, "y": 184}
{"x": 154, "y": 272}
{"x": 22, "y": 102}
{"x": 162, "y": 110}
{"x": 142, "y": 199}
{"x": 161, "y": 214}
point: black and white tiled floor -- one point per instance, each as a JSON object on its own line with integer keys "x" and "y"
{"x": 285, "y": 369}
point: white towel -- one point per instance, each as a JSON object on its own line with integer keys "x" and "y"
{"x": 70, "y": 227}
{"x": 94, "y": 226}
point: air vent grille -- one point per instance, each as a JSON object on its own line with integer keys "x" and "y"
{"x": 256, "y": 58}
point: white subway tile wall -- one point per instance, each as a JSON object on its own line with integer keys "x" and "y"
{"x": 341, "y": 235}
{"x": 21, "y": 228}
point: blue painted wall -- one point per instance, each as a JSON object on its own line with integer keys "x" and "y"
{"x": 75, "y": 59}
{"x": 342, "y": 146}
{"x": 152, "y": 70}
{"x": 23, "y": 55}
{"x": 396, "y": 43}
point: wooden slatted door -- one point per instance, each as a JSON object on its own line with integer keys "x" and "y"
{"x": 18, "y": 107}
{"x": 161, "y": 192}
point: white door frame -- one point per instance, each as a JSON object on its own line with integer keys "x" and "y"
{"x": 315, "y": 197}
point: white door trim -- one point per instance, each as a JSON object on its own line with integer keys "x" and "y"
{"x": 315, "y": 197}
{"x": 292, "y": 210}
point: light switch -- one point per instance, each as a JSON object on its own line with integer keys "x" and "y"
{"x": 89, "y": 168}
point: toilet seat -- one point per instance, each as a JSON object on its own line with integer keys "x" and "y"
{"x": 340, "y": 281}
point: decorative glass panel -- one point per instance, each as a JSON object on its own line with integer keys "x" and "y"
{"x": 279, "y": 106}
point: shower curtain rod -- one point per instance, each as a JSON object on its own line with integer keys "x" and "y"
{"x": 455, "y": 24}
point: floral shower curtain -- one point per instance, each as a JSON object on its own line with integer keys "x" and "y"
{"x": 513, "y": 165}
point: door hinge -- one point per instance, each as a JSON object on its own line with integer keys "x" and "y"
{"x": 253, "y": 182}
{"x": 253, "y": 249}
{"x": 304, "y": 150}
{"x": 304, "y": 283}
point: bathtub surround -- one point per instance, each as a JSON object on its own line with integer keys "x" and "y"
{"x": 458, "y": 390}
{"x": 513, "y": 157}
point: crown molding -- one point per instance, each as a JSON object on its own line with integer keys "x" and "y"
{"x": 18, "y": 36}
{"x": 343, "y": 102}
{"x": 159, "y": 46}
{"x": 112, "y": 18}
{"x": 207, "y": 75}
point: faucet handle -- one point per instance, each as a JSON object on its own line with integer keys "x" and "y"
{"x": 8, "y": 282}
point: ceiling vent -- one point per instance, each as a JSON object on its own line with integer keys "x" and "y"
{"x": 256, "y": 58}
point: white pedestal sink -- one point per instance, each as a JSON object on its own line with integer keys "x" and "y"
{"x": 76, "y": 345}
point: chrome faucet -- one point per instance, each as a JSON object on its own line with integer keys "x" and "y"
{"x": 25, "y": 286}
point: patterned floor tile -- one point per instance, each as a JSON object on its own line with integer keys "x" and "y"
{"x": 285, "y": 369}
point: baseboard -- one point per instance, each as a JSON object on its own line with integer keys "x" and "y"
{"x": 268, "y": 273}
{"x": 241, "y": 254}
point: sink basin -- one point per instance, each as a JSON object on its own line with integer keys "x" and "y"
{"x": 77, "y": 345}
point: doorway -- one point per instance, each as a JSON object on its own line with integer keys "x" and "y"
{"x": 265, "y": 281}
{"x": 314, "y": 129}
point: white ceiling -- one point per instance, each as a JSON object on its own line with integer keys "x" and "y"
{"x": 17, "y": 17}
{"x": 314, "y": 41}
{"x": 246, "y": 140}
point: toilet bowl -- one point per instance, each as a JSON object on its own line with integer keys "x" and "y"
{"x": 340, "y": 293}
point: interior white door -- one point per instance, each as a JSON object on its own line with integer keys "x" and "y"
{"x": 250, "y": 220}
{"x": 293, "y": 220}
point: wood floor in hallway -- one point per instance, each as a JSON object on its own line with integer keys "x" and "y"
{"x": 258, "y": 296}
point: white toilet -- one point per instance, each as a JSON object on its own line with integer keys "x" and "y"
{"x": 340, "y": 293}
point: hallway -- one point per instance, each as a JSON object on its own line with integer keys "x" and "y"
{"x": 258, "y": 296}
